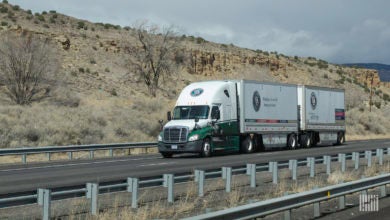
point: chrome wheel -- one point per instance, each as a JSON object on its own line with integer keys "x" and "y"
{"x": 292, "y": 142}
{"x": 206, "y": 148}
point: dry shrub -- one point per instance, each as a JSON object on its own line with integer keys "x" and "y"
{"x": 364, "y": 123}
{"x": 235, "y": 198}
{"x": 307, "y": 185}
{"x": 338, "y": 176}
{"x": 64, "y": 97}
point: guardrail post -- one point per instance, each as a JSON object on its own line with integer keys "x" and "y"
{"x": 365, "y": 191}
{"x": 24, "y": 158}
{"x": 368, "y": 155}
{"x": 328, "y": 162}
{"x": 324, "y": 159}
{"x": 70, "y": 155}
{"x": 294, "y": 169}
{"x": 228, "y": 178}
{"x": 92, "y": 194}
{"x": 308, "y": 162}
{"x": 312, "y": 166}
{"x": 290, "y": 164}
{"x": 275, "y": 173}
{"x": 224, "y": 173}
{"x": 379, "y": 155}
{"x": 200, "y": 177}
{"x": 168, "y": 182}
{"x": 341, "y": 202}
{"x": 91, "y": 154}
{"x": 341, "y": 199}
{"x": 388, "y": 151}
{"x": 251, "y": 171}
{"x": 287, "y": 213}
{"x": 270, "y": 166}
{"x": 48, "y": 155}
{"x": 132, "y": 186}
{"x": 383, "y": 191}
{"x": 356, "y": 158}
{"x": 196, "y": 176}
{"x": 316, "y": 207}
{"x": 340, "y": 156}
{"x": 44, "y": 200}
{"x": 342, "y": 160}
{"x": 111, "y": 152}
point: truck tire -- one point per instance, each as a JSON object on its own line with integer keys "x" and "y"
{"x": 247, "y": 145}
{"x": 167, "y": 155}
{"x": 292, "y": 142}
{"x": 206, "y": 148}
{"x": 306, "y": 141}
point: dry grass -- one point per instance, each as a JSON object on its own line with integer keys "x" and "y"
{"x": 376, "y": 168}
{"x": 366, "y": 137}
{"x": 45, "y": 124}
{"x": 338, "y": 176}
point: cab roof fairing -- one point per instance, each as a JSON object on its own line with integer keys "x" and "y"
{"x": 212, "y": 92}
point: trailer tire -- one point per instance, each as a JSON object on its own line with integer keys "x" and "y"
{"x": 292, "y": 142}
{"x": 247, "y": 145}
{"x": 206, "y": 148}
{"x": 340, "y": 138}
{"x": 306, "y": 141}
{"x": 167, "y": 155}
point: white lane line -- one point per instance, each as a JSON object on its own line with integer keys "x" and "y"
{"x": 341, "y": 147}
{"x": 154, "y": 164}
{"x": 76, "y": 164}
{"x": 261, "y": 154}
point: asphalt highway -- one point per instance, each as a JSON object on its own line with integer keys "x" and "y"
{"x": 23, "y": 178}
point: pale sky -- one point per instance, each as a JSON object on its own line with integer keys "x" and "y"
{"x": 339, "y": 31}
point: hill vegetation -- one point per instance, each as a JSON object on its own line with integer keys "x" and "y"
{"x": 99, "y": 94}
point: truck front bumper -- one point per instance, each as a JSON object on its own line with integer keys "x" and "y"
{"x": 178, "y": 148}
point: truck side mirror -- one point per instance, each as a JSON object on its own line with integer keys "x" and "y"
{"x": 169, "y": 117}
{"x": 216, "y": 115}
{"x": 161, "y": 124}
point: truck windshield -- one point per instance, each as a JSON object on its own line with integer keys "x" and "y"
{"x": 191, "y": 112}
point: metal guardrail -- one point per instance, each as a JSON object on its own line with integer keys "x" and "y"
{"x": 133, "y": 184}
{"x": 286, "y": 203}
{"x": 73, "y": 148}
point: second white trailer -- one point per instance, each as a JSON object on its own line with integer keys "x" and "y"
{"x": 321, "y": 115}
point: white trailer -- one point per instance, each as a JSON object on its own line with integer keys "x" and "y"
{"x": 269, "y": 109}
{"x": 322, "y": 115}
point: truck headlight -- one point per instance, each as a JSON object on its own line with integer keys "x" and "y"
{"x": 159, "y": 138}
{"x": 193, "y": 137}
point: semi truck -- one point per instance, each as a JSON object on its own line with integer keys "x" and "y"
{"x": 249, "y": 116}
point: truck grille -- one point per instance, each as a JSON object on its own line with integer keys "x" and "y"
{"x": 175, "y": 134}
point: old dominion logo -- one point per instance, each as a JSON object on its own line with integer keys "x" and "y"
{"x": 256, "y": 101}
{"x": 313, "y": 100}
{"x": 196, "y": 92}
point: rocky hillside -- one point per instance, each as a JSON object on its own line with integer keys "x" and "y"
{"x": 100, "y": 100}
{"x": 383, "y": 70}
